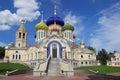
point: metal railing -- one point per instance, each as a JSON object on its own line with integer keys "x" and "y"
{"x": 48, "y": 65}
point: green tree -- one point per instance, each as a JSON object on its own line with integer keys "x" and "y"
{"x": 103, "y": 56}
{"x": 91, "y": 48}
{"x": 2, "y": 52}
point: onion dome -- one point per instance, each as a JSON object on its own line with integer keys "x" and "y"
{"x": 73, "y": 36}
{"x": 41, "y": 26}
{"x": 68, "y": 26}
{"x": 56, "y": 19}
{"x": 82, "y": 43}
{"x": 55, "y": 28}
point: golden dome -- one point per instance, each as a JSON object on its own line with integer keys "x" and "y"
{"x": 41, "y": 26}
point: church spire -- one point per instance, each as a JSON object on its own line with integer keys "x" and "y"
{"x": 22, "y": 26}
{"x": 42, "y": 16}
{"x": 55, "y": 12}
{"x": 67, "y": 18}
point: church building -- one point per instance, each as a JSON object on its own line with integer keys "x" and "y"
{"x": 54, "y": 51}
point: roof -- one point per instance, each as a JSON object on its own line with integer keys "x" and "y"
{"x": 68, "y": 26}
{"x": 54, "y": 19}
{"x": 41, "y": 26}
{"x": 22, "y": 26}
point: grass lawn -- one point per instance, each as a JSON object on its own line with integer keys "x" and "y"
{"x": 101, "y": 69}
{"x": 12, "y": 66}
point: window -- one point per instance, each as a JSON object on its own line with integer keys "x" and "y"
{"x": 69, "y": 35}
{"x": 19, "y": 57}
{"x": 19, "y": 45}
{"x": 74, "y": 64}
{"x": 89, "y": 62}
{"x": 36, "y": 55}
{"x": 44, "y": 34}
{"x": 89, "y": 56}
{"x": 20, "y": 35}
{"x": 23, "y": 35}
{"x": 16, "y": 56}
{"x": 85, "y": 62}
{"x": 81, "y": 56}
{"x": 81, "y": 62}
{"x": 65, "y": 34}
{"x": 13, "y": 57}
{"x": 117, "y": 59}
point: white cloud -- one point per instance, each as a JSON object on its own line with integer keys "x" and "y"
{"x": 27, "y": 9}
{"x": 76, "y": 21}
{"x": 107, "y": 36}
{"x": 2, "y": 44}
{"x": 4, "y": 27}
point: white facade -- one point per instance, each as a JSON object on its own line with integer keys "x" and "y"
{"x": 55, "y": 42}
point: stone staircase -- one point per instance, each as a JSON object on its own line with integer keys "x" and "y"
{"x": 54, "y": 67}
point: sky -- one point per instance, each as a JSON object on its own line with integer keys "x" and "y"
{"x": 97, "y": 22}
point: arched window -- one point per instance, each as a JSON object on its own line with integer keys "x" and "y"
{"x": 44, "y": 34}
{"x": 69, "y": 35}
{"x": 88, "y": 56}
{"x": 36, "y": 55}
{"x": 23, "y": 35}
{"x": 20, "y": 35}
{"x": 16, "y": 56}
{"x": 89, "y": 62}
{"x": 19, "y": 45}
{"x": 13, "y": 56}
{"x": 19, "y": 57}
{"x": 65, "y": 34}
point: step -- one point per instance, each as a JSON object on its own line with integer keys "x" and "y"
{"x": 54, "y": 67}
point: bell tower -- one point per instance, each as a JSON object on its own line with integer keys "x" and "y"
{"x": 21, "y": 35}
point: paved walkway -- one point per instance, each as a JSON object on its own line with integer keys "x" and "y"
{"x": 78, "y": 76}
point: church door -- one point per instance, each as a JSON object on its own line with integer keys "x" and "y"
{"x": 54, "y": 51}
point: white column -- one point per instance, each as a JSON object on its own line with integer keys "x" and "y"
{"x": 58, "y": 55}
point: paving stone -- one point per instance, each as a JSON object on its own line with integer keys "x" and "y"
{"x": 77, "y": 76}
